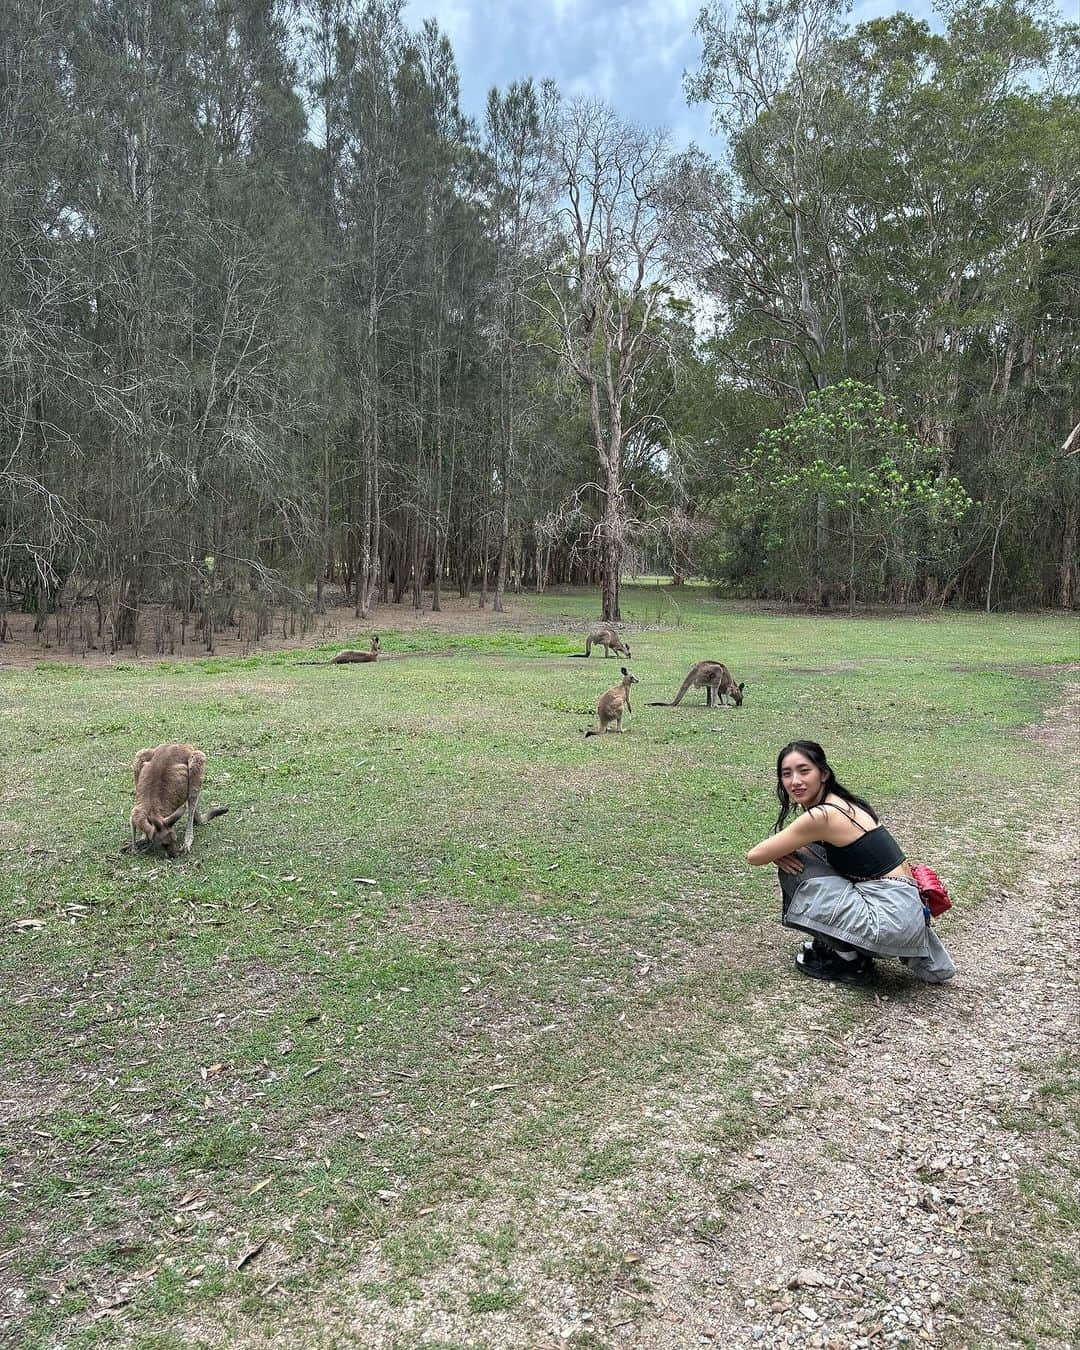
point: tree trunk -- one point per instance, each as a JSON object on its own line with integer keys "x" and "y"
{"x": 505, "y": 462}
{"x": 821, "y": 527}
{"x": 1067, "y": 573}
{"x": 993, "y": 555}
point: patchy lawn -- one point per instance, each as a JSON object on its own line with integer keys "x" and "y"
{"x": 417, "y": 1019}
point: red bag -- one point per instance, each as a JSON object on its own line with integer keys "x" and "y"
{"x": 932, "y": 890}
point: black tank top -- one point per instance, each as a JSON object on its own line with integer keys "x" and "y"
{"x": 873, "y": 854}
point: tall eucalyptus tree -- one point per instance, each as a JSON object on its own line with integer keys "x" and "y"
{"x": 604, "y": 291}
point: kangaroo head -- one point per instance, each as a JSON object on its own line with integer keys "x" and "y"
{"x": 375, "y": 643}
{"x": 737, "y": 694}
{"x": 627, "y": 677}
{"x": 156, "y": 830}
{"x": 625, "y": 646}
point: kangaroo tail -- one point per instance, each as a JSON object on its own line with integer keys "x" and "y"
{"x": 314, "y": 663}
{"x": 682, "y": 690}
{"x": 661, "y": 705}
{"x": 577, "y": 654}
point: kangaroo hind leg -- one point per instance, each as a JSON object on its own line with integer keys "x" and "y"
{"x": 201, "y": 816}
{"x": 196, "y": 768}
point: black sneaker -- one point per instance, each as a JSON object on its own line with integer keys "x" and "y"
{"x": 824, "y": 949}
{"x": 819, "y": 963}
{"x": 819, "y": 948}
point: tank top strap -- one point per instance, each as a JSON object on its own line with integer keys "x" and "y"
{"x": 825, "y": 806}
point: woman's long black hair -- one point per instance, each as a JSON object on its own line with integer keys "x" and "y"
{"x": 830, "y": 783}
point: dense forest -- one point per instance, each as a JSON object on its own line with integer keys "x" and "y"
{"x": 276, "y": 317}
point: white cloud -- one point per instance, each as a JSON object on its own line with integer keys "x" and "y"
{"x": 454, "y": 17}
{"x": 632, "y": 53}
{"x": 600, "y": 80}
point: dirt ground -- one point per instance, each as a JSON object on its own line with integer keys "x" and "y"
{"x": 25, "y": 648}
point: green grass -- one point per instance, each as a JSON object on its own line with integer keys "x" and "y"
{"x": 561, "y": 938}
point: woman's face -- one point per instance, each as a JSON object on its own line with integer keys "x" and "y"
{"x": 801, "y": 779}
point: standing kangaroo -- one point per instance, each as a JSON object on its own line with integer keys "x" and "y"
{"x": 349, "y": 657}
{"x": 607, "y": 636}
{"x": 168, "y": 781}
{"x": 716, "y": 680}
{"x": 613, "y": 703}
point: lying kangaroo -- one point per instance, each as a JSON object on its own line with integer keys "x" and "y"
{"x": 616, "y": 700}
{"x": 349, "y": 657}
{"x": 168, "y": 781}
{"x": 716, "y": 680}
{"x": 606, "y": 635}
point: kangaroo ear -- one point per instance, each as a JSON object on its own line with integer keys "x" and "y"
{"x": 624, "y": 670}
{"x": 742, "y": 685}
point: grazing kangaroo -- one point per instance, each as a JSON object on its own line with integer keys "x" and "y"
{"x": 606, "y": 635}
{"x": 168, "y": 781}
{"x": 716, "y": 680}
{"x": 349, "y": 657}
{"x": 613, "y": 703}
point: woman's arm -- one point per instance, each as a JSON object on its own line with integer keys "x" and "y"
{"x": 802, "y": 831}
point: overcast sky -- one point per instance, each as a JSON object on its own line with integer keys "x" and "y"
{"x": 631, "y": 53}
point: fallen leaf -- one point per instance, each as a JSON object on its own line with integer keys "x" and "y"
{"x": 23, "y": 925}
{"x": 116, "y": 1303}
{"x": 631, "y": 1258}
{"x": 250, "y": 1255}
{"x": 260, "y": 1186}
{"x": 211, "y": 1071}
{"x": 364, "y": 881}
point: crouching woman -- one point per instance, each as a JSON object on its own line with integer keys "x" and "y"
{"x": 844, "y": 878}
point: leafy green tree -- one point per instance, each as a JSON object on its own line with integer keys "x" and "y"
{"x": 895, "y": 209}
{"x": 846, "y": 500}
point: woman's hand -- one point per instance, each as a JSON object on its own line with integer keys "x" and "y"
{"x": 790, "y": 862}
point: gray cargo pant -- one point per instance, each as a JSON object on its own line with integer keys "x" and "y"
{"x": 881, "y": 918}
